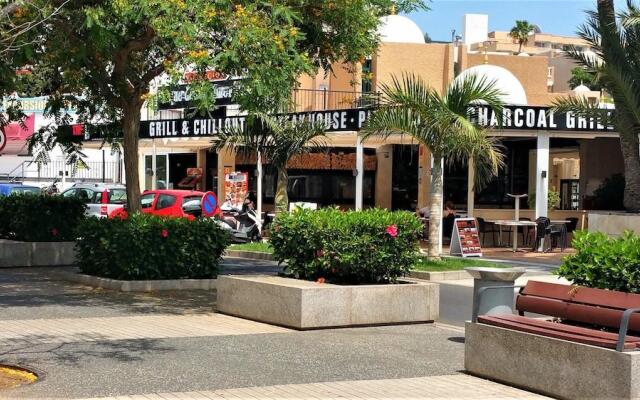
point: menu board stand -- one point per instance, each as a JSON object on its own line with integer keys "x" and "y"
{"x": 465, "y": 240}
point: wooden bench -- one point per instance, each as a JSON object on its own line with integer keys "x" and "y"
{"x": 572, "y": 304}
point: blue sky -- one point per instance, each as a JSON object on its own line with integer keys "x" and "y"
{"x": 553, "y": 16}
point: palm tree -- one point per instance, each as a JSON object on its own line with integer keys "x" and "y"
{"x": 446, "y": 125}
{"x": 521, "y": 32}
{"x": 615, "y": 66}
{"x": 277, "y": 140}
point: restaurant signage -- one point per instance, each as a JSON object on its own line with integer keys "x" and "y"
{"x": 180, "y": 96}
{"x": 335, "y": 121}
{"x": 541, "y": 118}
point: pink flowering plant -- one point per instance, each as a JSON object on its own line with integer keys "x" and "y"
{"x": 353, "y": 247}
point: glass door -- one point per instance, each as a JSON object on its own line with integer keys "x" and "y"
{"x": 162, "y": 171}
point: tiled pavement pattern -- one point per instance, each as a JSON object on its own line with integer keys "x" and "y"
{"x": 433, "y": 387}
{"x": 69, "y": 330}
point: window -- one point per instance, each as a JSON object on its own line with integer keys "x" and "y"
{"x": 69, "y": 193}
{"x": 117, "y": 196}
{"x": 550, "y": 71}
{"x": 165, "y": 201}
{"x": 146, "y": 200}
{"x": 188, "y": 199}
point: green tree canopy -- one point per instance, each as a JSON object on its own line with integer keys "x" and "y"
{"x": 104, "y": 54}
{"x": 582, "y": 76}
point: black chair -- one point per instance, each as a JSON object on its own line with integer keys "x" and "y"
{"x": 485, "y": 227}
{"x": 572, "y": 225}
{"x": 543, "y": 230}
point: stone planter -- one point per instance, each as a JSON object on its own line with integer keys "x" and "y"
{"x": 437, "y": 276}
{"x": 555, "y": 367}
{"x": 36, "y": 254}
{"x": 613, "y": 223}
{"x": 140, "y": 286}
{"x": 309, "y": 305}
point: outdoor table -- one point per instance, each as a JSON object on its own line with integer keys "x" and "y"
{"x": 512, "y": 223}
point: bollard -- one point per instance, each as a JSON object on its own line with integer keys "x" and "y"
{"x": 493, "y": 290}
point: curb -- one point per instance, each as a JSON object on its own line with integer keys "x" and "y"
{"x": 140, "y": 286}
{"x": 251, "y": 255}
{"x": 439, "y": 275}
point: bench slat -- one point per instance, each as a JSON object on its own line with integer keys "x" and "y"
{"x": 579, "y": 294}
{"x": 575, "y": 312}
{"x": 565, "y": 328}
{"x": 552, "y": 333}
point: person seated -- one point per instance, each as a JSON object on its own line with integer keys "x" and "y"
{"x": 424, "y": 212}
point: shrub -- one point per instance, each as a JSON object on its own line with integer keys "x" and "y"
{"x": 603, "y": 262}
{"x": 144, "y": 247}
{"x": 354, "y": 247}
{"x": 35, "y": 218}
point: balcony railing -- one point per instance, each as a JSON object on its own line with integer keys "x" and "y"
{"x": 327, "y": 100}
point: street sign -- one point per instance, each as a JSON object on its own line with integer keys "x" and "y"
{"x": 209, "y": 204}
{"x": 3, "y": 139}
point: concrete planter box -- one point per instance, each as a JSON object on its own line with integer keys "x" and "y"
{"x": 555, "y": 367}
{"x": 252, "y": 255}
{"x": 439, "y": 275}
{"x": 36, "y": 254}
{"x": 140, "y": 286}
{"x": 309, "y": 305}
{"x": 614, "y": 223}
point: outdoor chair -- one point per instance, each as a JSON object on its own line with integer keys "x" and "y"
{"x": 543, "y": 230}
{"x": 485, "y": 227}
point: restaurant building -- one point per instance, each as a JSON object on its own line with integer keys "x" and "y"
{"x": 573, "y": 157}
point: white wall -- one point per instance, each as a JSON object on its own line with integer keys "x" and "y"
{"x": 475, "y": 28}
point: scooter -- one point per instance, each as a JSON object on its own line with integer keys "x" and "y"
{"x": 243, "y": 225}
{"x": 51, "y": 189}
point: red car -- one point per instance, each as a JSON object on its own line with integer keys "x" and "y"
{"x": 168, "y": 203}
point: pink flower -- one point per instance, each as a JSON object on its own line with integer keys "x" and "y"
{"x": 54, "y": 231}
{"x": 164, "y": 233}
{"x": 392, "y": 230}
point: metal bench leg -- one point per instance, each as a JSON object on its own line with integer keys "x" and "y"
{"x": 624, "y": 326}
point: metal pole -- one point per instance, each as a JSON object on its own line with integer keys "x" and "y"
{"x": 153, "y": 165}
{"x": 104, "y": 171}
{"x": 359, "y": 172}
{"x": 259, "y": 191}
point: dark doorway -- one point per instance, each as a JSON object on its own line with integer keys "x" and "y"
{"x": 178, "y": 164}
{"x": 404, "y": 177}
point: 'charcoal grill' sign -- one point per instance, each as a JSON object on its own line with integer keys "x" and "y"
{"x": 543, "y": 119}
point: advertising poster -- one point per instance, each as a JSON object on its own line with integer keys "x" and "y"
{"x": 466, "y": 240}
{"x": 236, "y": 187}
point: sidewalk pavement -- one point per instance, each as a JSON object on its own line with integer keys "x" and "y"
{"x": 433, "y": 387}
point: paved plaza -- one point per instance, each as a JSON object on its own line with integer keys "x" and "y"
{"x": 91, "y": 343}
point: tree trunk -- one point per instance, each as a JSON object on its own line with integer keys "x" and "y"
{"x": 629, "y": 145}
{"x": 130, "y": 128}
{"x": 282, "y": 198}
{"x": 435, "y": 208}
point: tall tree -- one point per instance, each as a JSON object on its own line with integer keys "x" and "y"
{"x": 278, "y": 140}
{"x": 520, "y": 32}
{"x": 615, "y": 42}
{"x": 581, "y": 76}
{"x": 106, "y": 53}
{"x": 446, "y": 125}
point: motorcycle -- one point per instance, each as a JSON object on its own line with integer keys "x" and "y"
{"x": 51, "y": 189}
{"x": 242, "y": 224}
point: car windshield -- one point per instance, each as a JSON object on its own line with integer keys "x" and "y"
{"x": 25, "y": 190}
{"x": 117, "y": 196}
{"x": 146, "y": 200}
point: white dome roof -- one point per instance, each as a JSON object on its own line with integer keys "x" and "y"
{"x": 581, "y": 89}
{"x": 399, "y": 29}
{"x": 503, "y": 79}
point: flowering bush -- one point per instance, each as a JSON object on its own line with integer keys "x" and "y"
{"x": 353, "y": 247}
{"x": 603, "y": 262}
{"x": 144, "y": 247}
{"x": 35, "y": 218}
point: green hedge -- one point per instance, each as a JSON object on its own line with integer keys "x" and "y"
{"x": 145, "y": 247}
{"x": 603, "y": 262}
{"x": 34, "y": 218}
{"x": 354, "y": 247}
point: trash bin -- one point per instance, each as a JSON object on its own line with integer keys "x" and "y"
{"x": 493, "y": 290}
